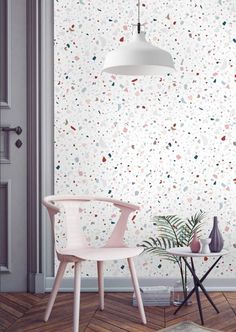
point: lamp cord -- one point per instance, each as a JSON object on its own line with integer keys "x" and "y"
{"x": 139, "y": 24}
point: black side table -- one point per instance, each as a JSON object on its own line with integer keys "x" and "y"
{"x": 185, "y": 253}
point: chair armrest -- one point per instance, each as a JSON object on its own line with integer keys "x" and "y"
{"x": 117, "y": 203}
{"x": 121, "y": 205}
{"x": 47, "y": 202}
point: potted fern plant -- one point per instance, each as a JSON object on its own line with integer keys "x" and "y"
{"x": 173, "y": 231}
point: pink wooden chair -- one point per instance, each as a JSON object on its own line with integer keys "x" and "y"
{"x": 78, "y": 249}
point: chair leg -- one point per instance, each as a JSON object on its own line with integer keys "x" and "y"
{"x": 76, "y": 297}
{"x": 100, "y": 284}
{"x": 137, "y": 290}
{"x": 56, "y": 285}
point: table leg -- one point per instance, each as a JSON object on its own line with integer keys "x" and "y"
{"x": 190, "y": 293}
{"x": 199, "y": 284}
{"x": 210, "y": 269}
{"x": 196, "y": 284}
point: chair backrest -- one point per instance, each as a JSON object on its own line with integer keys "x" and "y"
{"x": 70, "y": 206}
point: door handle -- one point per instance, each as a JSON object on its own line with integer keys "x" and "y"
{"x": 17, "y": 130}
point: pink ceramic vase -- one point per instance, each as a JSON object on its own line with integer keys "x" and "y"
{"x": 195, "y": 244}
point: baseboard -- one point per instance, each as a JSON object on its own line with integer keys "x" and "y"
{"x": 115, "y": 284}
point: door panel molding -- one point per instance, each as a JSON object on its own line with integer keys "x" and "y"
{"x": 5, "y": 231}
{"x": 5, "y": 56}
{"x": 5, "y": 147}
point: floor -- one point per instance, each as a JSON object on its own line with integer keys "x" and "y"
{"x": 20, "y": 312}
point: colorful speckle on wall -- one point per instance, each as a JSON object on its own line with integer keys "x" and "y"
{"x": 166, "y": 143}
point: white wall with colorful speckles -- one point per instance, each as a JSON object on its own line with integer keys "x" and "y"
{"x": 167, "y": 144}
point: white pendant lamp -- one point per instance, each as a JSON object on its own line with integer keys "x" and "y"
{"x": 139, "y": 57}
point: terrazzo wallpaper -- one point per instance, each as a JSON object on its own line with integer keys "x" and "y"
{"x": 167, "y": 144}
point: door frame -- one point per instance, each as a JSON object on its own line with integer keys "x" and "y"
{"x": 40, "y": 150}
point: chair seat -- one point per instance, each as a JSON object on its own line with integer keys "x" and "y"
{"x": 101, "y": 254}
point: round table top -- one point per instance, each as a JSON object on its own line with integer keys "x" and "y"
{"x": 186, "y": 252}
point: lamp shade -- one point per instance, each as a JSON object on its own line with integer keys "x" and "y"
{"x": 138, "y": 58}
